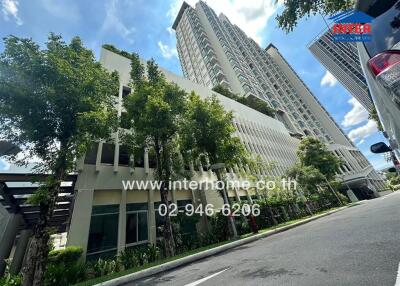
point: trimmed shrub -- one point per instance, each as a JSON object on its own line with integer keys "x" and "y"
{"x": 64, "y": 267}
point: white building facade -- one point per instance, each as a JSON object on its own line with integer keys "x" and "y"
{"x": 107, "y": 219}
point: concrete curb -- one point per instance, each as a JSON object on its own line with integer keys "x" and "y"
{"x": 206, "y": 253}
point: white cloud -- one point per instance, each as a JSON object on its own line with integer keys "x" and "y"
{"x": 328, "y": 80}
{"x": 251, "y": 16}
{"x": 362, "y": 132}
{"x": 113, "y": 21}
{"x": 356, "y": 115}
{"x": 62, "y": 9}
{"x": 362, "y": 141}
{"x": 170, "y": 30}
{"x": 10, "y": 9}
{"x": 166, "y": 51}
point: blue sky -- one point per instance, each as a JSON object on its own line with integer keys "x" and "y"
{"x": 143, "y": 26}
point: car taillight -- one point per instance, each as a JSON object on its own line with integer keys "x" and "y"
{"x": 383, "y": 61}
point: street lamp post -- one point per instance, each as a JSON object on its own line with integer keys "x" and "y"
{"x": 217, "y": 168}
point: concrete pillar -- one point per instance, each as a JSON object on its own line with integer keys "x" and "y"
{"x": 98, "y": 157}
{"x": 249, "y": 197}
{"x": 351, "y": 196}
{"x": 116, "y": 153}
{"x": 236, "y": 195}
{"x": 173, "y": 196}
{"x": 12, "y": 222}
{"x": 146, "y": 161}
{"x": 20, "y": 251}
{"x": 122, "y": 222}
{"x": 78, "y": 233}
{"x": 151, "y": 218}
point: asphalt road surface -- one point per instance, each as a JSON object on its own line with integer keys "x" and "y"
{"x": 357, "y": 246}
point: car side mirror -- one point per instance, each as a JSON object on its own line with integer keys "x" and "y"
{"x": 392, "y": 170}
{"x": 380, "y": 147}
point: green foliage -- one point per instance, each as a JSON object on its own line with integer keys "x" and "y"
{"x": 105, "y": 267}
{"x": 128, "y": 259}
{"x": 225, "y": 91}
{"x": 8, "y": 279}
{"x": 208, "y": 130}
{"x": 308, "y": 177}
{"x": 185, "y": 233}
{"x": 54, "y": 102}
{"x": 294, "y": 10}
{"x": 54, "y": 99}
{"x": 219, "y": 227}
{"x": 113, "y": 49}
{"x": 11, "y": 280}
{"x": 250, "y": 101}
{"x": 64, "y": 267}
{"x": 314, "y": 153}
{"x": 374, "y": 116}
{"x": 69, "y": 255}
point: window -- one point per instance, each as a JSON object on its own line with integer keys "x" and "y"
{"x": 103, "y": 231}
{"x": 107, "y": 154}
{"x": 123, "y": 158}
{"x": 126, "y": 91}
{"x": 91, "y": 154}
{"x": 136, "y": 223}
{"x": 139, "y": 157}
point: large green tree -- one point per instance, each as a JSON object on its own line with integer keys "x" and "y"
{"x": 208, "y": 132}
{"x": 54, "y": 102}
{"x": 294, "y": 10}
{"x": 155, "y": 110}
{"x": 312, "y": 152}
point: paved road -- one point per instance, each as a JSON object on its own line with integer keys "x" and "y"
{"x": 357, "y": 246}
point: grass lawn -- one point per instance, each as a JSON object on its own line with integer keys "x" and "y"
{"x": 194, "y": 251}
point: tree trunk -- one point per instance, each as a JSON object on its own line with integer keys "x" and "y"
{"x": 35, "y": 266}
{"x": 163, "y": 173}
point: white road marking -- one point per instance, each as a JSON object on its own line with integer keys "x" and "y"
{"x": 398, "y": 277}
{"x": 209, "y": 277}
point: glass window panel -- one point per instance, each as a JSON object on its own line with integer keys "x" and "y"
{"x": 107, "y": 154}
{"x": 103, "y": 233}
{"x": 142, "y": 226}
{"x": 91, "y": 154}
{"x": 136, "y": 207}
{"x": 131, "y": 228}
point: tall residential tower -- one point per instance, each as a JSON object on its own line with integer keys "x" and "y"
{"x": 213, "y": 51}
{"x": 342, "y": 61}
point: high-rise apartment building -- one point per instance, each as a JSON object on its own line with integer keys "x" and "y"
{"x": 342, "y": 61}
{"x": 213, "y": 51}
{"x": 107, "y": 218}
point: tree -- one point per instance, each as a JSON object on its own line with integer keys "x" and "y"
{"x": 294, "y": 10}
{"x": 155, "y": 110}
{"x": 374, "y": 116}
{"x": 308, "y": 177}
{"x": 54, "y": 103}
{"x": 208, "y": 132}
{"x": 314, "y": 153}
